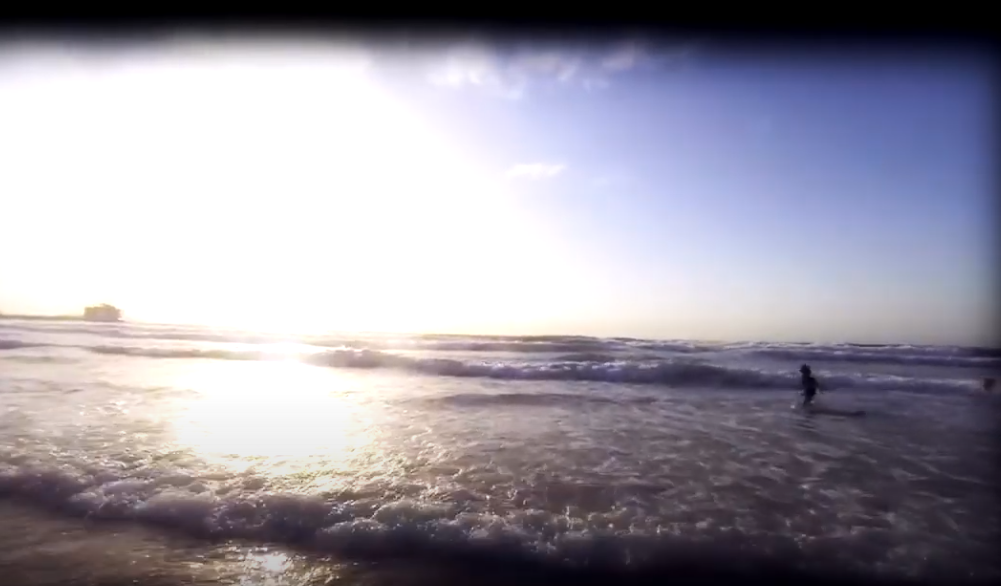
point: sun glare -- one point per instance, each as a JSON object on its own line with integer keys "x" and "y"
{"x": 281, "y": 409}
{"x": 283, "y": 190}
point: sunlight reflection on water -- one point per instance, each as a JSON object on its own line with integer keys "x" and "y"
{"x": 272, "y": 409}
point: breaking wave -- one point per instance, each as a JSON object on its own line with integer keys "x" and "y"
{"x": 664, "y": 372}
{"x": 371, "y": 528}
{"x": 888, "y": 355}
{"x": 588, "y": 347}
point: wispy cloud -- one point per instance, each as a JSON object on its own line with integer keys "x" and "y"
{"x": 536, "y": 170}
{"x": 479, "y": 67}
{"x": 511, "y": 73}
{"x": 624, "y": 58}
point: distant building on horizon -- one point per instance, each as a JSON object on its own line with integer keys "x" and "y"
{"x": 102, "y": 312}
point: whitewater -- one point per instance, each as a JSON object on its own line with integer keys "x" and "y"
{"x": 168, "y": 453}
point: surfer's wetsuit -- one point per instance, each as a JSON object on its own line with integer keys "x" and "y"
{"x": 810, "y": 385}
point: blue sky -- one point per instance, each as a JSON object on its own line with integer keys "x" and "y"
{"x": 672, "y": 191}
{"x": 844, "y": 191}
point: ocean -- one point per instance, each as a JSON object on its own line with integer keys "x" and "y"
{"x": 150, "y": 454}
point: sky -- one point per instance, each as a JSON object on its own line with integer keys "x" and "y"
{"x": 631, "y": 188}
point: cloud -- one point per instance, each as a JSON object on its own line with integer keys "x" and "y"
{"x": 624, "y": 58}
{"x": 552, "y": 64}
{"x": 479, "y": 67}
{"x": 536, "y": 171}
{"x": 512, "y": 73}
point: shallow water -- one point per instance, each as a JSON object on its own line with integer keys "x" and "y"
{"x": 564, "y": 452}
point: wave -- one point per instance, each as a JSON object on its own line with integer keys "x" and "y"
{"x": 371, "y": 528}
{"x": 427, "y": 342}
{"x": 513, "y": 346}
{"x": 534, "y": 399}
{"x": 679, "y": 347}
{"x": 947, "y": 359}
{"x": 600, "y": 357}
{"x": 663, "y": 372}
{"x": 18, "y": 345}
{"x": 529, "y": 344}
{"x": 565, "y": 348}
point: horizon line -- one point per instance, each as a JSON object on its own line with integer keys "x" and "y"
{"x": 123, "y": 321}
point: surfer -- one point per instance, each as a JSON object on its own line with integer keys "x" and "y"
{"x": 810, "y": 385}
